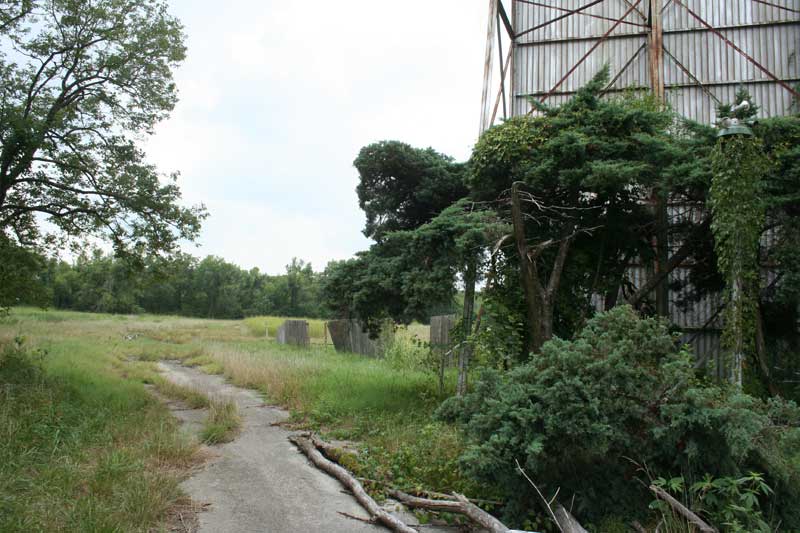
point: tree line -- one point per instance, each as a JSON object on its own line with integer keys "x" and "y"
{"x": 178, "y": 285}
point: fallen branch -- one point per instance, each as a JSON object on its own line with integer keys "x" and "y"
{"x": 425, "y": 493}
{"x": 307, "y": 447}
{"x": 682, "y": 510}
{"x": 460, "y": 505}
{"x": 334, "y": 453}
{"x": 331, "y": 452}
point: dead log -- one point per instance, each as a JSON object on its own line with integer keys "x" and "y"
{"x": 566, "y": 522}
{"x": 682, "y": 510}
{"x": 460, "y": 505}
{"x": 307, "y": 447}
{"x": 331, "y": 452}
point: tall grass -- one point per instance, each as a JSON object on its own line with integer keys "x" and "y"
{"x": 223, "y": 422}
{"x": 257, "y": 326}
{"x": 347, "y": 396}
{"x": 82, "y": 448}
{"x": 385, "y": 404}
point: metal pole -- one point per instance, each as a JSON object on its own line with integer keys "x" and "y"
{"x": 487, "y": 68}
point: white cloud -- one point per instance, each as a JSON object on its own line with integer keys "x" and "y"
{"x": 278, "y": 97}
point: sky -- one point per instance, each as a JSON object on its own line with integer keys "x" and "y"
{"x": 277, "y": 98}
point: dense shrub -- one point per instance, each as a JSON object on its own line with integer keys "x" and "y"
{"x": 578, "y": 415}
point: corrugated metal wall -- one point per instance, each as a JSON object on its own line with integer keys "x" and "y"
{"x": 700, "y": 71}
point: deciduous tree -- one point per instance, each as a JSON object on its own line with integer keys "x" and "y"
{"x": 81, "y": 83}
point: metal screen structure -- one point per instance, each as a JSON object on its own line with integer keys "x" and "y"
{"x": 692, "y": 54}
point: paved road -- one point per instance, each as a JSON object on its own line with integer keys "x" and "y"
{"x": 260, "y": 482}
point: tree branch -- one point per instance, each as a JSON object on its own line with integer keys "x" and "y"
{"x": 677, "y": 258}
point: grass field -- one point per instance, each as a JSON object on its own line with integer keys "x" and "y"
{"x": 259, "y": 326}
{"x": 84, "y": 447}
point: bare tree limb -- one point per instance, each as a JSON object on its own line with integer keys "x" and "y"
{"x": 307, "y": 447}
{"x": 684, "y": 511}
{"x": 461, "y": 505}
{"x": 563, "y": 519}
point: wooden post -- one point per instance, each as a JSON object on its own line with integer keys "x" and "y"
{"x": 656, "y": 54}
{"x": 325, "y": 333}
{"x": 656, "y": 50}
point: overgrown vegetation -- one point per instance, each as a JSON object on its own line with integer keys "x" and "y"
{"x": 582, "y": 414}
{"x": 223, "y": 422}
{"x": 384, "y": 405}
{"x": 81, "y": 447}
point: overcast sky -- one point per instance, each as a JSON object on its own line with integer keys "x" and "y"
{"x": 277, "y": 97}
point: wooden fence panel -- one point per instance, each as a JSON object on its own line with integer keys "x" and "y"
{"x": 293, "y": 332}
{"x": 441, "y": 326}
{"x": 349, "y": 336}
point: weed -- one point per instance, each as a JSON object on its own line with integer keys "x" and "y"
{"x": 223, "y": 422}
{"x": 191, "y": 396}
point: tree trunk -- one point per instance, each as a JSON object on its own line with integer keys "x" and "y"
{"x": 527, "y": 274}
{"x": 470, "y": 278}
{"x": 761, "y": 352}
{"x": 662, "y": 255}
{"x": 549, "y": 304}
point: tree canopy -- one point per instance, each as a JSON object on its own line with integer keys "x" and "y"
{"x": 584, "y": 173}
{"x": 401, "y": 187}
{"x": 81, "y": 82}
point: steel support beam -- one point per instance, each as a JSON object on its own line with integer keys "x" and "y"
{"x": 560, "y": 17}
{"x": 610, "y": 85}
{"x": 733, "y": 45}
{"x": 566, "y": 10}
{"x": 487, "y": 68}
{"x": 501, "y": 10}
{"x": 769, "y": 24}
{"x": 667, "y": 87}
{"x": 589, "y": 52}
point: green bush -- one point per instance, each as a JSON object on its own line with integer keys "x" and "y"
{"x": 733, "y": 504}
{"x": 578, "y": 415}
{"x": 19, "y": 366}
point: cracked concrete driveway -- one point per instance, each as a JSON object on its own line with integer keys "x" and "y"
{"x": 260, "y": 482}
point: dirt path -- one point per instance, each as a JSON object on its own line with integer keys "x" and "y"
{"x": 260, "y": 482}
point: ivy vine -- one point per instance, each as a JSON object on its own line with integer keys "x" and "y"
{"x": 737, "y": 205}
